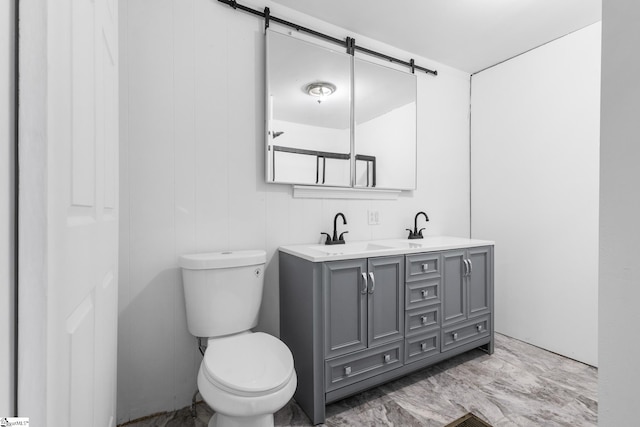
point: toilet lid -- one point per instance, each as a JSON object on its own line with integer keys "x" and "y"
{"x": 252, "y": 364}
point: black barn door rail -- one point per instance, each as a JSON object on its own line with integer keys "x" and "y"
{"x": 349, "y": 42}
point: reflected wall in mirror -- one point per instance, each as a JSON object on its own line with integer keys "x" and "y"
{"x": 308, "y": 112}
{"x": 385, "y": 127}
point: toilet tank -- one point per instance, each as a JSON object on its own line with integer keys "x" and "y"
{"x": 223, "y": 291}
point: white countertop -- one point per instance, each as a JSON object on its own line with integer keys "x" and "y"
{"x": 375, "y": 248}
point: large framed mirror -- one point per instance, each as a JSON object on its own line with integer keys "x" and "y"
{"x": 308, "y": 113}
{"x": 336, "y": 120}
{"x": 384, "y": 126}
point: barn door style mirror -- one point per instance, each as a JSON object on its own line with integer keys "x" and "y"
{"x": 384, "y": 126}
{"x": 335, "y": 120}
{"x": 308, "y": 113}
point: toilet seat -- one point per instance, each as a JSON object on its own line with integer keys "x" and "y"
{"x": 248, "y": 365}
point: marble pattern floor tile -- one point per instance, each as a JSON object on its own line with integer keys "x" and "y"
{"x": 519, "y": 385}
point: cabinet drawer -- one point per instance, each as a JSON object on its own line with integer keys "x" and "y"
{"x": 351, "y": 368}
{"x": 425, "y": 292}
{"x": 422, "y": 319}
{"x": 463, "y": 333}
{"x": 421, "y": 346}
{"x": 421, "y": 266}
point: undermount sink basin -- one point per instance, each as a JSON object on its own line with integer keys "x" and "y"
{"x": 408, "y": 244}
{"x": 350, "y": 248}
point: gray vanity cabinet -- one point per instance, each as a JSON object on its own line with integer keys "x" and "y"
{"x": 363, "y": 319}
{"x": 422, "y": 305}
{"x": 363, "y": 303}
{"x": 356, "y": 323}
{"x": 466, "y": 295}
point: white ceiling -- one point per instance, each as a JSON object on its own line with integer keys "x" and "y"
{"x": 293, "y": 63}
{"x": 469, "y": 35}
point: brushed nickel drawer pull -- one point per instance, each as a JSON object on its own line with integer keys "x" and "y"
{"x": 425, "y": 293}
{"x": 455, "y": 336}
{"x": 423, "y": 346}
{"x": 387, "y": 358}
{"x": 373, "y": 282}
{"x": 347, "y": 370}
{"x": 479, "y": 328}
{"x": 423, "y": 319}
{"x": 425, "y": 268}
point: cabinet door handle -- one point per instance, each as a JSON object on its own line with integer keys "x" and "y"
{"x": 466, "y": 268}
{"x": 364, "y": 283}
{"x": 470, "y": 266}
{"x": 373, "y": 283}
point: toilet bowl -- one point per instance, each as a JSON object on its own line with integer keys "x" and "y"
{"x": 245, "y": 377}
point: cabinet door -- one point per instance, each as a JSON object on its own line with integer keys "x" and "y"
{"x": 386, "y": 298}
{"x": 454, "y": 290}
{"x": 479, "y": 279}
{"x": 345, "y": 306}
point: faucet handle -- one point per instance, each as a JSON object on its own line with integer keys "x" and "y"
{"x": 328, "y": 237}
{"x": 341, "y": 238}
{"x": 415, "y": 234}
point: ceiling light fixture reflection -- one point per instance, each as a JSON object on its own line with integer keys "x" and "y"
{"x": 320, "y": 90}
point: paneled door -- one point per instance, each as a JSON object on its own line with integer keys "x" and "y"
{"x": 76, "y": 99}
{"x": 344, "y": 286}
{"x": 363, "y": 303}
{"x": 454, "y": 287}
{"x": 479, "y": 281}
{"x": 386, "y": 299}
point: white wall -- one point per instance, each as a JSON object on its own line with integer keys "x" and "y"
{"x": 619, "y": 292}
{"x": 192, "y": 177}
{"x": 535, "y": 141}
{"x": 7, "y": 194}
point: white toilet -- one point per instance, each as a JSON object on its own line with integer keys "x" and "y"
{"x": 244, "y": 377}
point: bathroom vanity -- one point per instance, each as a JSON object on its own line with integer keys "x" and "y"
{"x": 361, "y": 314}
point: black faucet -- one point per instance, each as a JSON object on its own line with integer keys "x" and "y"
{"x": 417, "y": 234}
{"x": 335, "y": 240}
